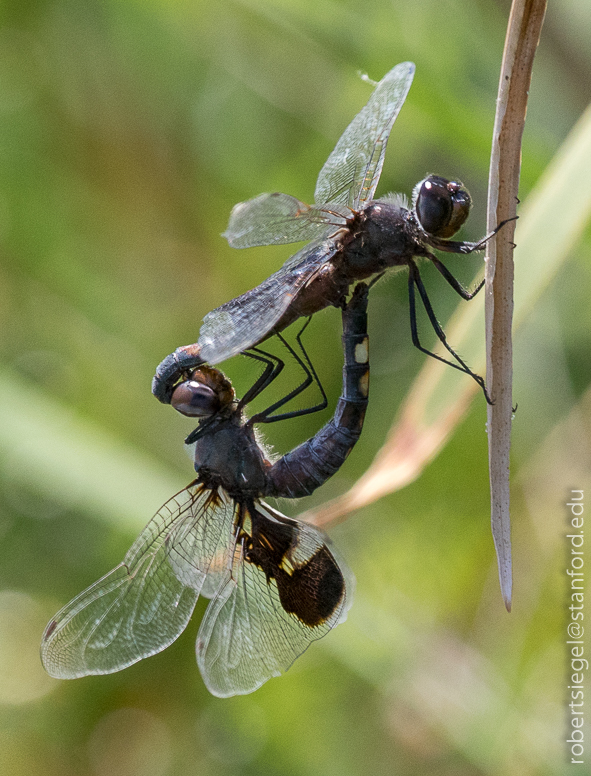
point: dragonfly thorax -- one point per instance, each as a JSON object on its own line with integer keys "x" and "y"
{"x": 231, "y": 452}
{"x": 387, "y": 236}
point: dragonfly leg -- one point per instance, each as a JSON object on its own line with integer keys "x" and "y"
{"x": 454, "y": 282}
{"x": 414, "y": 279}
{"x": 273, "y": 368}
{"x": 266, "y": 415}
{"x": 460, "y": 246}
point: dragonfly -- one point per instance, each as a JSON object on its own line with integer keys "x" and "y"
{"x": 275, "y": 583}
{"x": 352, "y": 237}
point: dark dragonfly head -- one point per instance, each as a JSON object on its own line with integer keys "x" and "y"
{"x": 441, "y": 206}
{"x": 207, "y": 395}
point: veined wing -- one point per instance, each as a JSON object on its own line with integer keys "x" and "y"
{"x": 248, "y": 319}
{"x": 144, "y": 604}
{"x": 287, "y": 589}
{"x": 352, "y": 171}
{"x": 275, "y": 219}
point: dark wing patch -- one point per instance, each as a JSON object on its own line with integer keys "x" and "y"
{"x": 310, "y": 586}
{"x": 313, "y": 591}
{"x": 287, "y": 590}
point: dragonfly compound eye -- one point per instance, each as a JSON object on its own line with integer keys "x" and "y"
{"x": 442, "y": 206}
{"x": 195, "y": 400}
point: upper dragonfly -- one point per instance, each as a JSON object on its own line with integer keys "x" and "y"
{"x": 275, "y": 583}
{"x": 353, "y": 237}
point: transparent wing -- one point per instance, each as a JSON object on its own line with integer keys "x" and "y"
{"x": 248, "y": 319}
{"x": 268, "y": 613}
{"x": 144, "y": 604}
{"x": 352, "y": 171}
{"x": 274, "y": 219}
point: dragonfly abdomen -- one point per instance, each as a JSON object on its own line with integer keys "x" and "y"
{"x": 307, "y": 467}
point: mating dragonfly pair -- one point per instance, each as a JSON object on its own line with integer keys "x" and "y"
{"x": 275, "y": 583}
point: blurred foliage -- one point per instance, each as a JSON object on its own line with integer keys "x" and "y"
{"x": 128, "y": 130}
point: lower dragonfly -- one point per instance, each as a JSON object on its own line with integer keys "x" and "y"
{"x": 275, "y": 583}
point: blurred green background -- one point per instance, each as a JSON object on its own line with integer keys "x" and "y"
{"x": 128, "y": 130}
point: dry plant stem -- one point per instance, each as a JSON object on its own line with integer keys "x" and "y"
{"x": 523, "y": 33}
